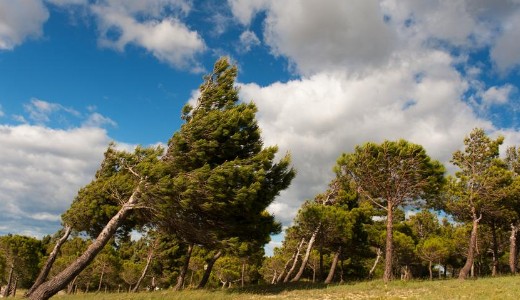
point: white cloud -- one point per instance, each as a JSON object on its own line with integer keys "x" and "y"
{"x": 151, "y": 25}
{"x": 98, "y": 120}
{"x": 498, "y": 95}
{"x": 325, "y": 35}
{"x": 1, "y": 111}
{"x": 506, "y": 51}
{"x": 20, "y": 20}
{"x": 244, "y": 11}
{"x": 42, "y": 170}
{"x": 248, "y": 39}
{"x": 319, "y": 117}
{"x": 68, "y": 2}
{"x": 40, "y": 111}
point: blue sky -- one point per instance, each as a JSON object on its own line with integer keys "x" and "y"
{"x": 325, "y": 75}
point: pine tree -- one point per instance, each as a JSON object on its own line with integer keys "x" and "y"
{"x": 222, "y": 178}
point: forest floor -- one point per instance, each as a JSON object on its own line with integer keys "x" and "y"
{"x": 482, "y": 288}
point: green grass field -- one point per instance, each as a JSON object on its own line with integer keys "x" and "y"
{"x": 483, "y": 288}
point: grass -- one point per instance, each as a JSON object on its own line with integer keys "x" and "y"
{"x": 482, "y": 288}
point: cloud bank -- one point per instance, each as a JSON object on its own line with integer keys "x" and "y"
{"x": 376, "y": 70}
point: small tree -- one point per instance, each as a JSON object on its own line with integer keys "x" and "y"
{"x": 391, "y": 175}
{"x": 478, "y": 190}
{"x": 434, "y": 249}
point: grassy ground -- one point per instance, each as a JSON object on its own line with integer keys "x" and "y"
{"x": 483, "y": 288}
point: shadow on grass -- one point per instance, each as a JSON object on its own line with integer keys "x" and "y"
{"x": 273, "y": 289}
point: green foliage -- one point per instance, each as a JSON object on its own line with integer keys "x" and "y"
{"x": 479, "y": 188}
{"x": 23, "y": 254}
{"x": 120, "y": 173}
{"x": 221, "y": 178}
{"x": 392, "y": 173}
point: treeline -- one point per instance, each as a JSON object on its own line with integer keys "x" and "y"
{"x": 199, "y": 209}
{"x": 151, "y": 262}
{"x": 391, "y": 212}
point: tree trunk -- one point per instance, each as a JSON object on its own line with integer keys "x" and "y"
{"x": 388, "y": 275}
{"x": 7, "y": 290}
{"x": 143, "y": 274}
{"x": 70, "y": 286}
{"x": 101, "y": 277}
{"x": 321, "y": 262}
{"x": 243, "y": 274}
{"x": 60, "y": 281}
{"x": 294, "y": 259}
{"x": 471, "y": 247}
{"x": 379, "y": 252}
{"x": 333, "y": 266}
{"x": 15, "y": 286}
{"x": 512, "y": 249}
{"x": 50, "y": 261}
{"x": 209, "y": 267}
{"x": 430, "y": 269}
{"x": 494, "y": 269}
{"x": 307, "y": 254}
{"x": 295, "y": 262}
{"x": 184, "y": 270}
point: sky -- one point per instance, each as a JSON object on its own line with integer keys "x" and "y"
{"x": 325, "y": 75}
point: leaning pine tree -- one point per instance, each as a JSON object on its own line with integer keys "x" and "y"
{"x": 222, "y": 178}
{"x": 121, "y": 180}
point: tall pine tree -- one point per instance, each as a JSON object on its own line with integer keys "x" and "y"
{"x": 222, "y": 178}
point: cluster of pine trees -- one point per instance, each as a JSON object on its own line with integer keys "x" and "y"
{"x": 199, "y": 209}
{"x": 391, "y": 212}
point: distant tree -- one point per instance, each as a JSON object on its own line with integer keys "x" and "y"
{"x": 434, "y": 249}
{"x": 479, "y": 188}
{"x": 391, "y": 175}
{"x": 22, "y": 257}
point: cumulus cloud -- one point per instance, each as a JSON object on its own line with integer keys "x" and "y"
{"x": 319, "y": 117}
{"x": 324, "y": 35}
{"x": 42, "y": 170}
{"x": 68, "y": 2}
{"x": 98, "y": 120}
{"x": 244, "y": 11}
{"x": 498, "y": 95}
{"x": 20, "y": 20}
{"x": 370, "y": 71}
{"x": 41, "y": 110}
{"x": 506, "y": 51}
{"x": 248, "y": 39}
{"x": 151, "y": 25}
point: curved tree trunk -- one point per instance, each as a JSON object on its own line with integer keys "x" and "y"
{"x": 295, "y": 262}
{"x": 100, "y": 284}
{"x": 307, "y": 254}
{"x": 60, "y": 281}
{"x": 209, "y": 267}
{"x": 494, "y": 269}
{"x": 184, "y": 270}
{"x": 50, "y": 261}
{"x": 512, "y": 249}
{"x": 143, "y": 274}
{"x": 430, "y": 269}
{"x": 379, "y": 252}
{"x": 333, "y": 266}
{"x": 7, "y": 290}
{"x": 388, "y": 275}
{"x": 464, "y": 272}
